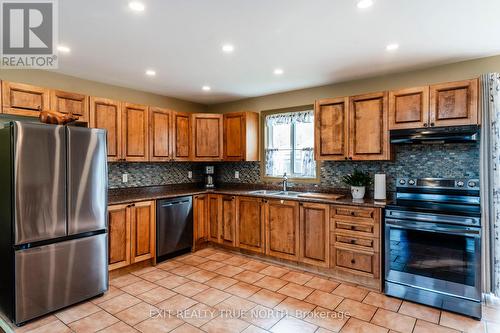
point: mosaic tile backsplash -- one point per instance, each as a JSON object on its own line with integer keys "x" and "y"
{"x": 439, "y": 160}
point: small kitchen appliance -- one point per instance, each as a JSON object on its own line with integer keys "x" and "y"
{"x": 209, "y": 177}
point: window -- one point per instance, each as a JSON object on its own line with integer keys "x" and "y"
{"x": 289, "y": 145}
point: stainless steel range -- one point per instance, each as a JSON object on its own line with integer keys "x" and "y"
{"x": 433, "y": 244}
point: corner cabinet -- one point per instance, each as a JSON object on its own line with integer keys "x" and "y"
{"x": 207, "y": 137}
{"x": 250, "y": 224}
{"x": 228, "y": 220}
{"x": 331, "y": 129}
{"x": 200, "y": 220}
{"x": 241, "y": 136}
{"x": 282, "y": 229}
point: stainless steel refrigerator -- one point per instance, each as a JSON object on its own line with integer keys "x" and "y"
{"x": 53, "y": 220}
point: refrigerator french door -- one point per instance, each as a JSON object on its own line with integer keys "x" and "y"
{"x": 54, "y": 209}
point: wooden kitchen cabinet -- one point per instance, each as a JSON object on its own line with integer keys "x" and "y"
{"x": 24, "y": 99}
{"x": 314, "y": 234}
{"x": 454, "y": 103}
{"x": 409, "y": 108}
{"x": 250, "y": 226}
{"x": 160, "y": 130}
{"x": 241, "y": 136}
{"x": 106, "y": 113}
{"x": 214, "y": 218}
{"x": 282, "y": 229}
{"x": 119, "y": 236}
{"x": 70, "y": 103}
{"x": 200, "y": 220}
{"x": 368, "y": 127}
{"x": 135, "y": 127}
{"x": 331, "y": 129}
{"x": 207, "y": 137}
{"x": 181, "y": 136}
{"x": 228, "y": 220}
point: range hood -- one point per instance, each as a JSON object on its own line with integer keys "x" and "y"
{"x": 436, "y": 135}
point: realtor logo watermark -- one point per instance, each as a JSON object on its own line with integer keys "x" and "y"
{"x": 29, "y": 34}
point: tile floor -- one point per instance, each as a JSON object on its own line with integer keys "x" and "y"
{"x": 217, "y": 291}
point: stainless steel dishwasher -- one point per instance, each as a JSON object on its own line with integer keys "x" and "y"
{"x": 174, "y": 227}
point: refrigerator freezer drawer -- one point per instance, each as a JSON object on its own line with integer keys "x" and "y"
{"x": 54, "y": 276}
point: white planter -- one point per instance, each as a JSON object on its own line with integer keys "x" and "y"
{"x": 358, "y": 192}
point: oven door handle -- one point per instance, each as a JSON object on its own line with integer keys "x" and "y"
{"x": 434, "y": 227}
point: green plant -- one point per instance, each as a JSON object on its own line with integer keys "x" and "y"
{"x": 358, "y": 178}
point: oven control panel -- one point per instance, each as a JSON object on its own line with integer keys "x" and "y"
{"x": 442, "y": 183}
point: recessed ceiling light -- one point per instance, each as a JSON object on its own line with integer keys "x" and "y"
{"x": 150, "y": 72}
{"x": 136, "y": 6}
{"x": 392, "y": 47}
{"x": 362, "y": 4}
{"x": 278, "y": 71}
{"x": 206, "y": 88}
{"x": 63, "y": 49}
{"x": 228, "y": 48}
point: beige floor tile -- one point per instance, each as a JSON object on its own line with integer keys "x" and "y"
{"x": 35, "y": 324}
{"x": 199, "y": 314}
{"x": 420, "y": 312}
{"x": 159, "y": 325}
{"x": 324, "y": 330}
{"x": 237, "y": 261}
{"x": 184, "y": 270}
{"x": 211, "y": 296}
{"x": 229, "y": 270}
{"x": 423, "y": 326}
{"x": 211, "y": 265}
{"x": 328, "y": 319}
{"x": 201, "y": 276}
{"x": 295, "y": 290}
{"x": 351, "y": 292}
{"x": 492, "y": 327}
{"x": 53, "y": 326}
{"x": 139, "y": 287}
{"x": 194, "y": 260}
{"x": 186, "y": 328}
{"x": 205, "y": 252}
{"x": 356, "y": 309}
{"x": 190, "y": 288}
{"x": 156, "y": 295}
{"x": 323, "y": 299}
{"x": 111, "y": 293}
{"x": 270, "y": 283}
{"x": 262, "y": 317}
{"x": 322, "y": 284}
{"x": 294, "y": 307}
{"x": 124, "y": 280}
{"x": 77, "y": 312}
{"x": 144, "y": 270}
{"x": 220, "y": 257}
{"x": 175, "y": 304}
{"x": 255, "y": 266}
{"x": 94, "y": 322}
{"x": 119, "y": 327}
{"x": 137, "y": 313}
{"x": 393, "y": 320}
{"x": 254, "y": 329}
{"x": 242, "y": 289}
{"x": 119, "y": 303}
{"x": 169, "y": 264}
{"x": 382, "y": 301}
{"x": 221, "y": 282}
{"x": 235, "y": 304}
{"x": 354, "y": 325}
{"x": 291, "y": 324}
{"x": 297, "y": 277}
{"x": 225, "y": 325}
{"x": 461, "y": 323}
{"x": 155, "y": 275}
{"x": 491, "y": 314}
{"x": 267, "y": 297}
{"x": 274, "y": 271}
{"x": 249, "y": 276}
{"x": 172, "y": 281}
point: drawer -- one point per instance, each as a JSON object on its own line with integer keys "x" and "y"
{"x": 364, "y": 228}
{"x": 364, "y": 242}
{"x": 357, "y": 261}
{"x": 362, "y": 212}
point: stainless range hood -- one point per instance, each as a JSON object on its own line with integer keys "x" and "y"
{"x": 460, "y": 134}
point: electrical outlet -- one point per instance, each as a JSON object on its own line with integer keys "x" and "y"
{"x": 190, "y": 174}
{"x": 125, "y": 178}
{"x": 237, "y": 174}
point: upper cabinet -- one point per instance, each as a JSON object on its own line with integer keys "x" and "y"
{"x": 70, "y": 103}
{"x": 409, "y": 108}
{"x": 241, "y": 136}
{"x": 331, "y": 129}
{"x": 160, "y": 123}
{"x": 207, "y": 137}
{"x": 135, "y": 132}
{"x": 24, "y": 99}
{"x": 181, "y": 136}
{"x": 368, "y": 130}
{"x": 454, "y": 103}
{"x": 106, "y": 113}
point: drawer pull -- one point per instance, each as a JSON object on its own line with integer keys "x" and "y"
{"x": 353, "y": 261}
{"x": 352, "y": 227}
{"x": 353, "y": 241}
{"x": 352, "y": 213}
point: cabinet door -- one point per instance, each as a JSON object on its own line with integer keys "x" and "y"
{"x": 331, "y": 129}
{"x": 368, "y": 130}
{"x": 119, "y": 236}
{"x": 282, "y": 230}
{"x": 314, "y": 234}
{"x": 135, "y": 132}
{"x": 106, "y": 113}
{"x": 159, "y": 139}
{"x": 250, "y": 229}
{"x": 24, "y": 99}
{"x": 200, "y": 210}
{"x": 234, "y": 137}
{"x": 214, "y": 217}
{"x": 181, "y": 136}
{"x": 70, "y": 103}
{"x": 207, "y": 137}
{"x": 454, "y": 103}
{"x": 409, "y": 108}
{"x": 228, "y": 220}
{"x": 143, "y": 231}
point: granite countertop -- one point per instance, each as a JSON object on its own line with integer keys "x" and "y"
{"x": 127, "y": 195}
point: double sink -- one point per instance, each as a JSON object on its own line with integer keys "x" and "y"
{"x": 292, "y": 194}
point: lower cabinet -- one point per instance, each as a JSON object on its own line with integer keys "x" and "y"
{"x": 282, "y": 229}
{"x": 314, "y": 234}
{"x": 200, "y": 220}
{"x": 228, "y": 220}
{"x": 214, "y": 214}
{"x": 132, "y": 233}
{"x": 250, "y": 227}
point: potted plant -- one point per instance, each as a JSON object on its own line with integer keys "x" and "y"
{"x": 358, "y": 181}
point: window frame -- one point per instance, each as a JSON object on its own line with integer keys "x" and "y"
{"x": 264, "y": 139}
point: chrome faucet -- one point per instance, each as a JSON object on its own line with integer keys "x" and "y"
{"x": 285, "y": 182}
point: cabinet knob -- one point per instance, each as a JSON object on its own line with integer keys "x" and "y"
{"x": 352, "y": 213}
{"x": 432, "y": 124}
{"x": 353, "y": 241}
{"x": 350, "y": 158}
{"x": 352, "y": 227}
{"x": 425, "y": 125}
{"x": 353, "y": 261}
{"x": 346, "y": 158}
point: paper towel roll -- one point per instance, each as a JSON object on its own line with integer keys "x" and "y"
{"x": 379, "y": 187}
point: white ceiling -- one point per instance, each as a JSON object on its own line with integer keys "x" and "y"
{"x": 315, "y": 42}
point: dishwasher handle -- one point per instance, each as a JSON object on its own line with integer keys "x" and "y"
{"x": 174, "y": 203}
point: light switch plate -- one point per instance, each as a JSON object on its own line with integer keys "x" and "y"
{"x": 125, "y": 178}
{"x": 237, "y": 174}
{"x": 190, "y": 174}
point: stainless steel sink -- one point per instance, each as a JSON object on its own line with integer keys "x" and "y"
{"x": 287, "y": 193}
{"x": 264, "y": 192}
{"x": 276, "y": 193}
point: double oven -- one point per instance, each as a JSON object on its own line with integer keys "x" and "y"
{"x": 433, "y": 244}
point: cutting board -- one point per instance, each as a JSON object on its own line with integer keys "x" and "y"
{"x": 328, "y": 196}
